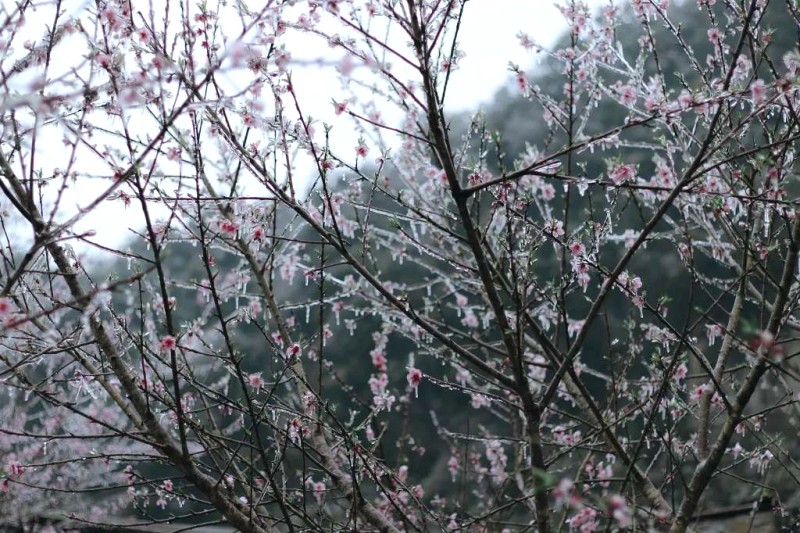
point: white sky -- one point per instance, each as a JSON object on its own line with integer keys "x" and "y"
{"x": 488, "y": 39}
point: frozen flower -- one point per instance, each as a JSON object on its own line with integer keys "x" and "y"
{"x": 627, "y": 95}
{"x": 414, "y": 378}
{"x": 229, "y": 228}
{"x": 255, "y": 381}
{"x": 340, "y": 107}
{"x": 104, "y": 60}
{"x": 522, "y": 84}
{"x": 737, "y": 450}
{"x": 761, "y": 461}
{"x": 293, "y": 352}
{"x": 758, "y": 91}
{"x": 453, "y": 466}
{"x": 622, "y": 173}
{"x": 167, "y": 343}
{"x": 680, "y": 373}
{"x": 14, "y": 469}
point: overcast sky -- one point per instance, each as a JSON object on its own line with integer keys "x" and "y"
{"x": 488, "y": 39}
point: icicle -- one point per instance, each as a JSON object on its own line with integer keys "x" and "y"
{"x": 308, "y": 314}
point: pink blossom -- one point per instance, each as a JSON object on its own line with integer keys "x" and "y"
{"x": 586, "y": 520}
{"x": 761, "y": 461}
{"x": 340, "y": 107}
{"x": 309, "y": 402}
{"x": 712, "y": 332}
{"x": 282, "y": 59}
{"x": 479, "y": 400}
{"x": 319, "y": 489}
{"x": 452, "y": 525}
{"x": 111, "y": 18}
{"x": 296, "y": 431}
{"x": 453, "y": 466}
{"x": 577, "y": 249}
{"x": 685, "y": 99}
{"x": 378, "y": 360}
{"x": 737, "y": 450}
{"x": 525, "y": 41}
{"x": 522, "y": 84}
{"x": 362, "y": 150}
{"x": 620, "y": 511}
{"x": 555, "y": 227}
{"x": 758, "y": 92}
{"x": 229, "y": 228}
{"x": 548, "y": 192}
{"x": 104, "y": 60}
{"x": 402, "y": 473}
{"x": 566, "y": 495}
{"x": 346, "y": 65}
{"x": 255, "y": 381}
{"x": 174, "y": 153}
{"x": 622, "y": 173}
{"x": 293, "y": 352}
{"x": 470, "y": 320}
{"x": 766, "y": 339}
{"x": 167, "y": 343}
{"x": 680, "y": 373}
{"x": 627, "y": 95}
{"x": 14, "y": 469}
{"x": 700, "y": 391}
{"x": 414, "y": 378}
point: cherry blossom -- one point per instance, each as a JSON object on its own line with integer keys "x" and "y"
{"x": 414, "y": 378}
{"x": 167, "y": 343}
{"x": 255, "y": 381}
